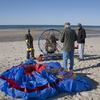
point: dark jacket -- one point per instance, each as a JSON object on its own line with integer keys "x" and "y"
{"x": 29, "y": 39}
{"x": 53, "y": 39}
{"x": 81, "y": 36}
{"x": 68, "y": 38}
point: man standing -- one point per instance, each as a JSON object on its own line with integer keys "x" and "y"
{"x": 29, "y": 42}
{"x": 68, "y": 38}
{"x": 81, "y": 41}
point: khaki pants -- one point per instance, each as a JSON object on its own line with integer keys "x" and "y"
{"x": 81, "y": 50}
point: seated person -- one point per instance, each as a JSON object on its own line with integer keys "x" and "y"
{"x": 51, "y": 44}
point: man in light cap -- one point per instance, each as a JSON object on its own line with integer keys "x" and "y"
{"x": 68, "y": 38}
{"x": 81, "y": 41}
{"x": 66, "y": 25}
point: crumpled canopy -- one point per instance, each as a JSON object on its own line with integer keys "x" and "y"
{"x": 32, "y": 80}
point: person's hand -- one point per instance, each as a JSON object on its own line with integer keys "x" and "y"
{"x": 26, "y": 40}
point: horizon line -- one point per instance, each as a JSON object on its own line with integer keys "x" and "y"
{"x": 45, "y": 24}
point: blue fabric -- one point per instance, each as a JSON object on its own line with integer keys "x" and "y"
{"x": 68, "y": 55}
{"x": 53, "y": 65}
{"x": 28, "y": 81}
{"x": 29, "y": 61}
{"x": 80, "y": 83}
{"x": 35, "y": 79}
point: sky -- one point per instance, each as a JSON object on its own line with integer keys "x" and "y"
{"x": 49, "y": 12}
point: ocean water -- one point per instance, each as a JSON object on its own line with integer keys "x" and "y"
{"x": 30, "y": 26}
{"x": 43, "y": 27}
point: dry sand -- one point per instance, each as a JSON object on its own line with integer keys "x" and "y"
{"x": 14, "y": 52}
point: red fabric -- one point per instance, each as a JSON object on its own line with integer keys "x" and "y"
{"x": 29, "y": 69}
{"x": 37, "y": 67}
{"x": 15, "y": 85}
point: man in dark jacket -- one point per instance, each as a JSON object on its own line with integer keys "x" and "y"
{"x": 81, "y": 41}
{"x": 29, "y": 42}
{"x": 68, "y": 38}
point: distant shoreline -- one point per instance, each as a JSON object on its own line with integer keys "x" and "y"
{"x": 12, "y": 34}
{"x": 42, "y": 26}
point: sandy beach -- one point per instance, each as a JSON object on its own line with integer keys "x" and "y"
{"x": 13, "y": 52}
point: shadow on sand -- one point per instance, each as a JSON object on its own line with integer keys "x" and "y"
{"x": 70, "y": 95}
{"x": 89, "y": 57}
{"x": 93, "y": 66}
{"x": 92, "y": 57}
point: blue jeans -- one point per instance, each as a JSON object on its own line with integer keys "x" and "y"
{"x": 68, "y": 55}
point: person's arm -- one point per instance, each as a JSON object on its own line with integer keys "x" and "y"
{"x": 31, "y": 38}
{"x": 26, "y": 38}
{"x": 62, "y": 37}
{"x": 83, "y": 34}
{"x": 75, "y": 36}
{"x": 57, "y": 39}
